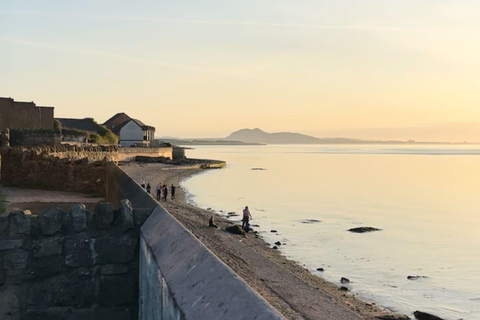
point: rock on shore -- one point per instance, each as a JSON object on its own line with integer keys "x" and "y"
{"x": 363, "y": 229}
{"x": 425, "y": 316}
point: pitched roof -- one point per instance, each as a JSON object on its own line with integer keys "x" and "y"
{"x": 138, "y": 122}
{"x": 119, "y": 116}
{"x": 79, "y": 124}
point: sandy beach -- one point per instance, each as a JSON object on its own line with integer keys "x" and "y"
{"x": 286, "y": 285}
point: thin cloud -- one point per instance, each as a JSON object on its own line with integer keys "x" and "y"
{"x": 230, "y": 23}
{"x": 102, "y": 55}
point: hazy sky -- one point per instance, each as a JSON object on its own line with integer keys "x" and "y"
{"x": 204, "y": 68}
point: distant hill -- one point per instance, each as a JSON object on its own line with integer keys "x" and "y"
{"x": 205, "y": 141}
{"x": 259, "y": 136}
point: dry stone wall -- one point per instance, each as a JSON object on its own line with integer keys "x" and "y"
{"x": 34, "y": 137}
{"x": 73, "y": 151}
{"x": 33, "y": 168}
{"x": 70, "y": 265}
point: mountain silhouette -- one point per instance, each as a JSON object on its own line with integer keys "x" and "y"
{"x": 259, "y": 136}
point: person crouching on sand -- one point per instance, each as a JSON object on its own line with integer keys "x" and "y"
{"x": 246, "y": 217}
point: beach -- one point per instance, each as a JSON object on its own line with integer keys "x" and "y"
{"x": 286, "y": 285}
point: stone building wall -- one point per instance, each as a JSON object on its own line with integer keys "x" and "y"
{"x": 70, "y": 265}
{"x": 17, "y": 114}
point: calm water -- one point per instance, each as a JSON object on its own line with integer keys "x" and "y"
{"x": 426, "y": 200}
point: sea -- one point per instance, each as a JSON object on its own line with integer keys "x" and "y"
{"x": 424, "y": 198}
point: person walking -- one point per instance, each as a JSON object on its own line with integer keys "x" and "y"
{"x": 246, "y": 217}
{"x": 158, "y": 189}
{"x": 165, "y": 193}
{"x": 172, "y": 192}
{"x": 148, "y": 188}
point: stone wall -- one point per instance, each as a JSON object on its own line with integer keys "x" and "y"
{"x": 70, "y": 265}
{"x": 129, "y": 153}
{"x": 92, "y": 152}
{"x": 34, "y": 137}
{"x": 29, "y": 169}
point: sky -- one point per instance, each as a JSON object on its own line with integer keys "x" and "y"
{"x": 380, "y": 69}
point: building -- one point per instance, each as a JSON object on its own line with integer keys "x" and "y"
{"x": 24, "y": 115}
{"x": 132, "y": 132}
{"x": 116, "y": 120}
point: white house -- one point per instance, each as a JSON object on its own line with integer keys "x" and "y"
{"x": 132, "y": 132}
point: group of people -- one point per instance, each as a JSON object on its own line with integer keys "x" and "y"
{"x": 161, "y": 190}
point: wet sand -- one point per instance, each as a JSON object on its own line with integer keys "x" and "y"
{"x": 287, "y": 286}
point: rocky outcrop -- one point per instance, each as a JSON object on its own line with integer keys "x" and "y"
{"x": 235, "y": 230}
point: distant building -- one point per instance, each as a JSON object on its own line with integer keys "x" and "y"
{"x": 132, "y": 132}
{"x": 116, "y": 120}
{"x": 24, "y": 115}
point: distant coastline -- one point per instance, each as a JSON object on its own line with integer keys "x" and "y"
{"x": 326, "y": 141}
{"x": 208, "y": 142}
{"x": 253, "y": 137}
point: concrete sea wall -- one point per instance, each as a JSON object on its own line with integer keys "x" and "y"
{"x": 180, "y": 279}
{"x": 178, "y": 273}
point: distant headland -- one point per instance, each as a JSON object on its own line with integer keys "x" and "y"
{"x": 259, "y": 137}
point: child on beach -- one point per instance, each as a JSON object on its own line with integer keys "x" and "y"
{"x": 247, "y": 228}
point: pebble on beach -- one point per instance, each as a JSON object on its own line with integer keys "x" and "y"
{"x": 320, "y": 269}
{"x": 310, "y": 221}
{"x": 273, "y": 231}
{"x": 416, "y": 277}
{"x": 344, "y": 280}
